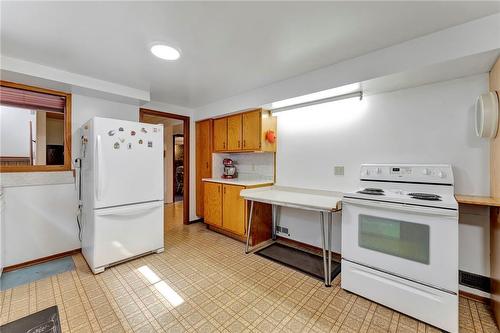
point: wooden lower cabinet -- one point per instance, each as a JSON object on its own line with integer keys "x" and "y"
{"x": 233, "y": 209}
{"x": 227, "y": 212}
{"x": 213, "y": 203}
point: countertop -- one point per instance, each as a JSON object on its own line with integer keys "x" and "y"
{"x": 239, "y": 181}
{"x": 478, "y": 200}
{"x": 295, "y": 197}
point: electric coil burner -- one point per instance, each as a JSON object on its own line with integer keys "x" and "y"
{"x": 372, "y": 191}
{"x": 425, "y": 196}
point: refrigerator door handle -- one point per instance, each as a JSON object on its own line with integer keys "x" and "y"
{"x": 99, "y": 168}
{"x": 129, "y": 209}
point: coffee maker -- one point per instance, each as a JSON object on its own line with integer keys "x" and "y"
{"x": 230, "y": 171}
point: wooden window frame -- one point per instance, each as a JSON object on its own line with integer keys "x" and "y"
{"x": 67, "y": 132}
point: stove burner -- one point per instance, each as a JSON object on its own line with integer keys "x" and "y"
{"x": 372, "y": 191}
{"x": 425, "y": 196}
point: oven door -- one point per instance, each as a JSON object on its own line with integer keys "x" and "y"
{"x": 413, "y": 242}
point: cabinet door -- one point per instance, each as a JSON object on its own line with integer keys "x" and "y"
{"x": 220, "y": 134}
{"x": 251, "y": 130}
{"x": 234, "y": 210}
{"x": 234, "y": 132}
{"x": 213, "y": 204}
{"x": 203, "y": 160}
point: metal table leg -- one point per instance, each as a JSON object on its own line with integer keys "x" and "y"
{"x": 274, "y": 210}
{"x": 249, "y": 226}
{"x": 330, "y": 227}
{"x": 323, "y": 245}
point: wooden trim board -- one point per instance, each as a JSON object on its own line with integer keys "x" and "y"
{"x": 67, "y": 132}
{"x": 40, "y": 260}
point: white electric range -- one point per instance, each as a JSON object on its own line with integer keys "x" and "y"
{"x": 400, "y": 241}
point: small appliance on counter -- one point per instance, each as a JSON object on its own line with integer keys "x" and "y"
{"x": 230, "y": 171}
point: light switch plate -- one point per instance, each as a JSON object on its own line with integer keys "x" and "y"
{"x": 338, "y": 170}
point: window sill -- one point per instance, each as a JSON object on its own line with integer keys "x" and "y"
{"x": 17, "y": 179}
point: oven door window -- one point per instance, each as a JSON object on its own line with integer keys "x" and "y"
{"x": 402, "y": 239}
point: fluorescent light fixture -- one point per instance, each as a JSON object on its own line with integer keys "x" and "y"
{"x": 324, "y": 96}
{"x": 165, "y": 52}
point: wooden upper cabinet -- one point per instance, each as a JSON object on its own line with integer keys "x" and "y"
{"x": 220, "y": 134}
{"x": 244, "y": 132}
{"x": 213, "y": 203}
{"x": 234, "y": 209}
{"x": 234, "y": 140}
{"x": 252, "y": 130}
{"x": 203, "y": 160}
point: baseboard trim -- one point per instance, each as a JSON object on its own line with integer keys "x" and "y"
{"x": 201, "y": 219}
{"x": 40, "y": 260}
{"x": 474, "y": 297}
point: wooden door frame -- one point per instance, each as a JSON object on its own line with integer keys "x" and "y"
{"x": 173, "y": 159}
{"x": 186, "y": 125}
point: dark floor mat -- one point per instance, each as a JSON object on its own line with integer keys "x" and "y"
{"x": 305, "y": 262}
{"x": 44, "y": 321}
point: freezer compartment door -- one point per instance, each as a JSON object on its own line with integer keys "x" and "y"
{"x": 128, "y": 162}
{"x": 430, "y": 305}
{"x": 127, "y": 231}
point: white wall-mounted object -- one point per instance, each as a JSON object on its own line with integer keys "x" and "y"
{"x": 487, "y": 115}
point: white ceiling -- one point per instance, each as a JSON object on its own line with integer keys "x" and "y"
{"x": 227, "y": 47}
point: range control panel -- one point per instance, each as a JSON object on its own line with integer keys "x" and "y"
{"x": 417, "y": 173}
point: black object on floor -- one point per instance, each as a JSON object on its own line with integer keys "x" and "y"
{"x": 44, "y": 321}
{"x": 305, "y": 262}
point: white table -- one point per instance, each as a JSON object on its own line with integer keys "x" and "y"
{"x": 324, "y": 202}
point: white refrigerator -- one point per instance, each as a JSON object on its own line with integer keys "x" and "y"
{"x": 121, "y": 188}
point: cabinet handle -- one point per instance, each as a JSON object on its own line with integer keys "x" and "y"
{"x": 239, "y": 145}
{"x": 207, "y": 164}
{"x": 218, "y": 189}
{"x": 224, "y": 190}
{"x": 244, "y": 143}
{"x": 224, "y": 145}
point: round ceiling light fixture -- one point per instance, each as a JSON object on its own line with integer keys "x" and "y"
{"x": 165, "y": 52}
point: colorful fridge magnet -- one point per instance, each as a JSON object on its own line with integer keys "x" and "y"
{"x": 121, "y": 129}
{"x": 141, "y": 142}
{"x": 111, "y": 133}
{"x": 155, "y": 129}
{"x": 122, "y": 140}
{"x": 132, "y": 133}
{"x": 143, "y": 130}
{"x": 116, "y": 145}
{"x": 129, "y": 146}
{"x": 150, "y": 144}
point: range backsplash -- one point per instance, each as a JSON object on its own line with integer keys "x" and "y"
{"x": 250, "y": 165}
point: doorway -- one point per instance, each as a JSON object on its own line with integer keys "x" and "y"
{"x": 175, "y": 161}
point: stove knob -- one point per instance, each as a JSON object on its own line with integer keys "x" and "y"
{"x": 365, "y": 172}
{"x": 379, "y": 170}
{"x": 426, "y": 171}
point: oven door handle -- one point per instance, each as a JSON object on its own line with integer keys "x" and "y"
{"x": 401, "y": 207}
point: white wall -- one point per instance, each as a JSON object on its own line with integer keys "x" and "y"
{"x": 15, "y": 132}
{"x": 39, "y": 222}
{"x": 84, "y": 108}
{"x": 427, "y": 124}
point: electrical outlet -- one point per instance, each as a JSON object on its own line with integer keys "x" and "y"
{"x": 338, "y": 170}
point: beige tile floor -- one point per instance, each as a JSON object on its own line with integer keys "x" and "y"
{"x": 203, "y": 282}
